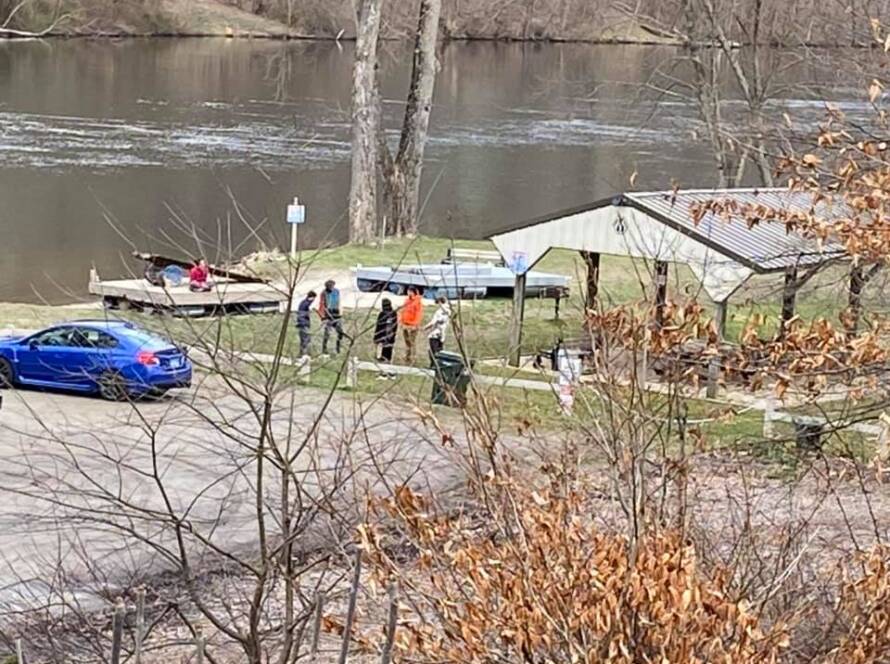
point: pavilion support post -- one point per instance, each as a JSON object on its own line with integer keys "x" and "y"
{"x": 854, "y": 302}
{"x": 661, "y": 280}
{"x": 789, "y": 296}
{"x": 592, "y": 262}
{"x": 516, "y": 318}
{"x": 720, "y": 309}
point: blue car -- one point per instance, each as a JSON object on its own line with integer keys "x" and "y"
{"x": 114, "y": 359}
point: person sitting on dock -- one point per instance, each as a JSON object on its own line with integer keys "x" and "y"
{"x": 385, "y": 334}
{"x": 410, "y": 318}
{"x": 329, "y": 311}
{"x": 304, "y": 322}
{"x": 199, "y": 277}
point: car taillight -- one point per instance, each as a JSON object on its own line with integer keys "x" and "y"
{"x": 147, "y": 359}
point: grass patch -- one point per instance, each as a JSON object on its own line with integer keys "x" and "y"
{"x": 395, "y": 251}
{"x": 622, "y": 280}
{"x": 484, "y": 324}
{"x": 33, "y": 316}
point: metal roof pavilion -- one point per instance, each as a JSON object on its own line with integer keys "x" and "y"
{"x": 722, "y": 253}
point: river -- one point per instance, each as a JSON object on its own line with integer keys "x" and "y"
{"x": 110, "y": 145}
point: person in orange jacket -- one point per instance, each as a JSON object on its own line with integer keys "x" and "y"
{"x": 410, "y": 319}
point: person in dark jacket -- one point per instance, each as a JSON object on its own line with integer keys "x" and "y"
{"x": 385, "y": 331}
{"x": 304, "y": 322}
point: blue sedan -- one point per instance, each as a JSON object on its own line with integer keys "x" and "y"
{"x": 114, "y": 359}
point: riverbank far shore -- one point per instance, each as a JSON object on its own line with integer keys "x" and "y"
{"x": 211, "y": 18}
{"x": 166, "y": 18}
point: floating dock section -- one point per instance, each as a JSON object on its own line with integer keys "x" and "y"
{"x": 458, "y": 280}
{"x": 225, "y": 297}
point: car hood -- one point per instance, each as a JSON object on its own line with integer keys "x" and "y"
{"x": 7, "y": 339}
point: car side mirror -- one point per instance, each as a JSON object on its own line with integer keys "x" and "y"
{"x": 33, "y": 345}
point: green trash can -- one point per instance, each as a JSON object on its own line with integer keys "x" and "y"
{"x": 451, "y": 379}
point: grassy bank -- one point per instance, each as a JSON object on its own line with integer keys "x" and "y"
{"x": 485, "y": 321}
{"x": 484, "y": 326}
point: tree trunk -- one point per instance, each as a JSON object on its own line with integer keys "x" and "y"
{"x": 592, "y": 262}
{"x": 365, "y": 124}
{"x": 859, "y": 279}
{"x": 854, "y": 307}
{"x": 403, "y": 183}
{"x": 789, "y": 297}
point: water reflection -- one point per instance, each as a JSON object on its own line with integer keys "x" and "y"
{"x": 136, "y": 128}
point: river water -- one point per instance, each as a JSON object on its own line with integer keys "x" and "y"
{"x": 109, "y": 146}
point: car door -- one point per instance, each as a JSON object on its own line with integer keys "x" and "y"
{"x": 96, "y": 355}
{"x": 42, "y": 356}
{"x": 86, "y": 355}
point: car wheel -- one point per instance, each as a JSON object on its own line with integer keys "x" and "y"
{"x": 112, "y": 386}
{"x": 7, "y": 375}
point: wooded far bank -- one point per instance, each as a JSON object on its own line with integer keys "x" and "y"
{"x": 786, "y": 22}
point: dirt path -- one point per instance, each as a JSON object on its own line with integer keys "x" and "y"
{"x": 350, "y": 296}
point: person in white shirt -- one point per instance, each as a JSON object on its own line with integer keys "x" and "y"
{"x": 437, "y": 328}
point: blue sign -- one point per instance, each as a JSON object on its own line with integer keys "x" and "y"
{"x": 296, "y": 214}
{"x": 518, "y": 262}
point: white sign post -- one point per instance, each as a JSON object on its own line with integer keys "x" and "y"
{"x": 296, "y": 215}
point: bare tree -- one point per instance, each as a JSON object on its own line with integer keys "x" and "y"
{"x": 11, "y": 11}
{"x": 402, "y": 174}
{"x": 365, "y": 124}
{"x": 729, "y": 56}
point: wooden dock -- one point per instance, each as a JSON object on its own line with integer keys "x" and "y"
{"x": 225, "y": 297}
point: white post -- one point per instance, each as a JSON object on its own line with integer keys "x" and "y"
{"x": 884, "y": 438}
{"x": 199, "y": 646}
{"x": 296, "y": 215}
{"x": 714, "y": 364}
{"x": 304, "y": 373}
{"x": 351, "y": 373}
{"x": 769, "y": 410}
{"x": 140, "y": 625}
